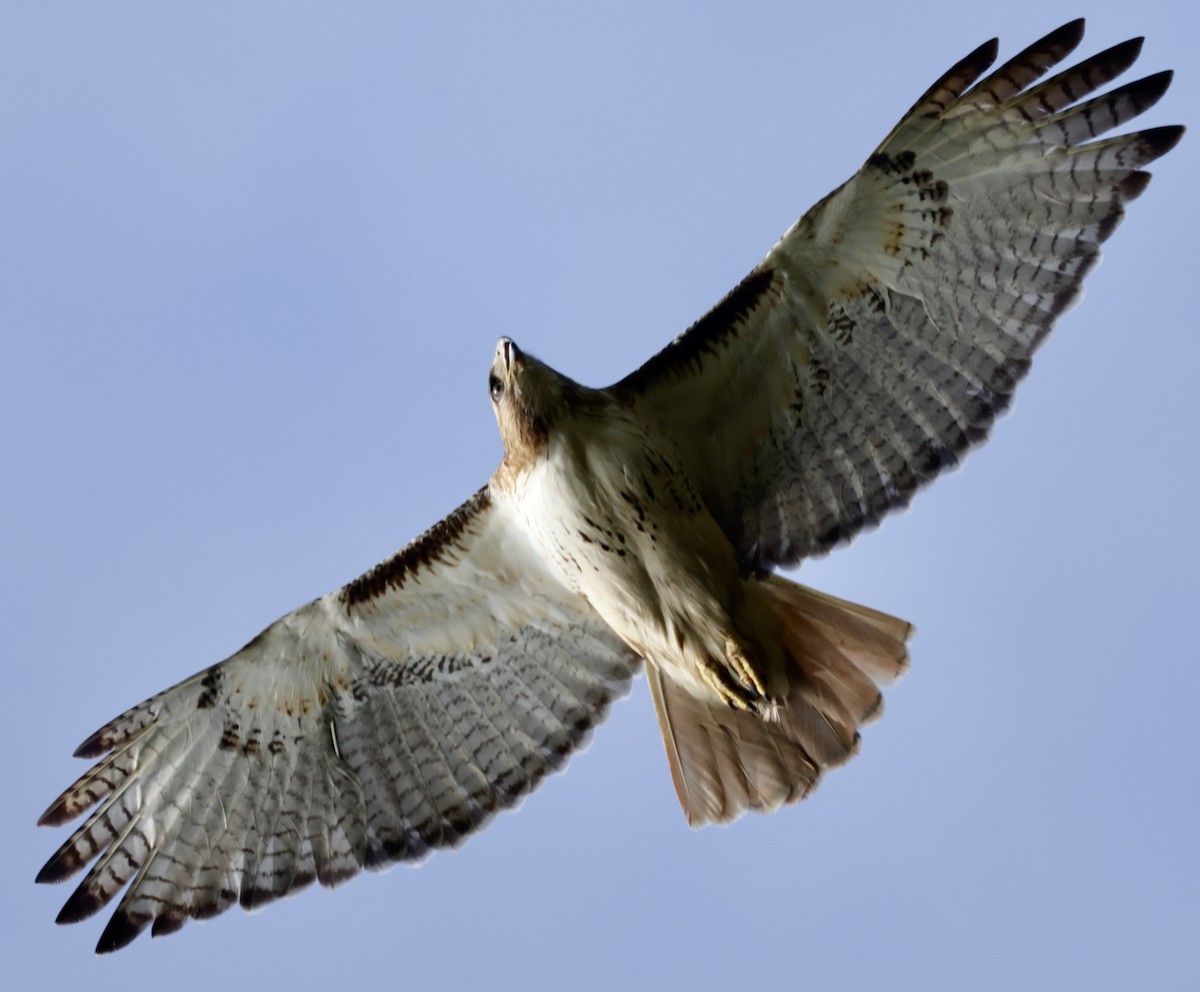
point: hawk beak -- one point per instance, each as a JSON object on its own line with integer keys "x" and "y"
{"x": 508, "y": 353}
{"x": 503, "y": 366}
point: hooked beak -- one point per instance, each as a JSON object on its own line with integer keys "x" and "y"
{"x": 507, "y": 353}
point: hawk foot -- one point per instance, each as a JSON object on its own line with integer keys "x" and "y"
{"x": 739, "y": 658}
{"x": 734, "y": 678}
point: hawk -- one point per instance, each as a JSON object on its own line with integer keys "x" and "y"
{"x": 642, "y": 523}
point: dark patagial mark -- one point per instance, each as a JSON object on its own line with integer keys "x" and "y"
{"x": 687, "y": 351}
{"x": 430, "y": 547}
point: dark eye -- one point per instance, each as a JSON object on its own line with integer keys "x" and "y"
{"x": 495, "y": 387}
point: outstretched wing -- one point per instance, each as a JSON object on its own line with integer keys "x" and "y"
{"x": 887, "y": 329}
{"x": 373, "y": 725}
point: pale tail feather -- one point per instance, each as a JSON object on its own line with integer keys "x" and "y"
{"x": 726, "y": 761}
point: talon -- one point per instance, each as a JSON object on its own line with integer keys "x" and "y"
{"x": 734, "y": 680}
{"x": 722, "y": 682}
{"x": 737, "y": 656}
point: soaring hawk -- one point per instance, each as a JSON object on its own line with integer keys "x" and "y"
{"x": 643, "y": 522}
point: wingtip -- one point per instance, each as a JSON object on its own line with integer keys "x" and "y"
{"x": 53, "y": 815}
{"x": 62, "y": 865}
{"x": 171, "y": 921}
{"x": 1160, "y": 140}
{"x": 1065, "y": 37}
{"x": 63, "y": 810}
{"x": 120, "y": 932}
{"x": 987, "y": 53}
{"x": 1122, "y": 55}
{"x": 1062, "y": 40}
{"x": 93, "y": 747}
{"x": 1156, "y": 84}
{"x": 82, "y": 905}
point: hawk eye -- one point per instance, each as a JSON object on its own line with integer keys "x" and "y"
{"x": 495, "y": 387}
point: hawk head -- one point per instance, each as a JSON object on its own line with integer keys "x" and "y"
{"x": 526, "y": 397}
{"x": 530, "y": 399}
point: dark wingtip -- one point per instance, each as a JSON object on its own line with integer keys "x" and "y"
{"x": 94, "y": 747}
{"x": 56, "y": 814}
{"x": 120, "y": 932}
{"x": 1149, "y": 91}
{"x": 985, "y": 54}
{"x": 1121, "y": 56}
{"x": 170, "y": 922}
{"x": 1157, "y": 141}
{"x": 65, "y": 863}
{"x": 50, "y": 873}
{"x": 82, "y": 904}
{"x": 1065, "y": 38}
{"x": 1072, "y": 29}
{"x": 1152, "y": 144}
{"x": 1133, "y": 186}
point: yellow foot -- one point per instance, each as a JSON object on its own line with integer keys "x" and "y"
{"x": 738, "y": 657}
{"x": 720, "y": 679}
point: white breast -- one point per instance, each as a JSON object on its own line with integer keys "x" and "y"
{"x": 567, "y": 502}
{"x": 611, "y": 513}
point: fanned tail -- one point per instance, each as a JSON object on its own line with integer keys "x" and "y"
{"x": 837, "y": 654}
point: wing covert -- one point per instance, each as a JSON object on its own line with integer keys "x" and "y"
{"x": 888, "y": 328}
{"x": 377, "y": 723}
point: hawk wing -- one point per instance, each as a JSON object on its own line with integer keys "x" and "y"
{"x": 883, "y": 334}
{"x": 373, "y": 725}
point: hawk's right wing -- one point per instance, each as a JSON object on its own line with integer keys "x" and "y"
{"x": 392, "y": 717}
{"x": 883, "y": 334}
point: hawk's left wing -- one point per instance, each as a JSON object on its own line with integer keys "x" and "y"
{"x": 883, "y": 334}
{"x": 379, "y": 722}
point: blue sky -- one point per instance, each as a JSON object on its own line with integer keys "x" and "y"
{"x": 256, "y": 260}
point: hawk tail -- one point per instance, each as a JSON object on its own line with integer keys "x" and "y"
{"x": 837, "y": 654}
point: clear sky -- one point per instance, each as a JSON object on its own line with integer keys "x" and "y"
{"x": 255, "y": 260}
